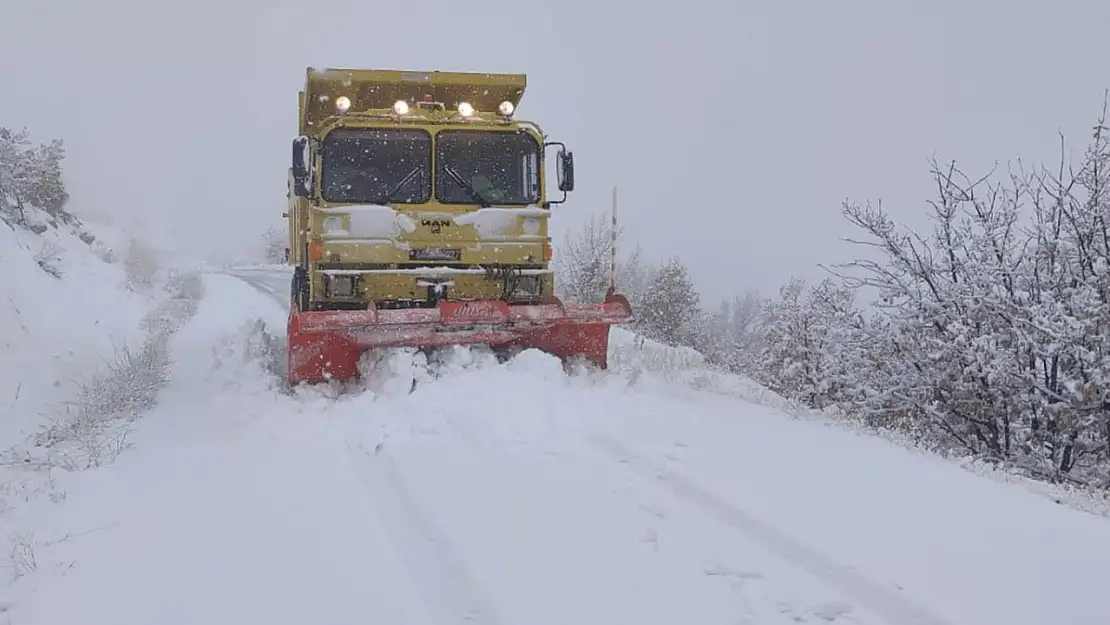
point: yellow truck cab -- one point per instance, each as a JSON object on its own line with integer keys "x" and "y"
{"x": 419, "y": 191}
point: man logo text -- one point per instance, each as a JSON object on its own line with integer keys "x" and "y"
{"x": 435, "y": 224}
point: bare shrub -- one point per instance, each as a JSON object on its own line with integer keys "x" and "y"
{"x": 48, "y": 257}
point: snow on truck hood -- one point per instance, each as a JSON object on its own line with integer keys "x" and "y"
{"x": 376, "y": 221}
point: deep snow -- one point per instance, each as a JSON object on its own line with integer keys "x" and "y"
{"x": 63, "y": 312}
{"x": 516, "y": 494}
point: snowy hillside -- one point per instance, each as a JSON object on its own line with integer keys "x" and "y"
{"x": 658, "y": 492}
{"x": 83, "y": 332}
{"x": 65, "y": 312}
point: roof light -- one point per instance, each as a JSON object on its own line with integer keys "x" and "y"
{"x": 506, "y": 108}
{"x": 342, "y": 103}
{"x": 465, "y": 109}
{"x": 400, "y": 107}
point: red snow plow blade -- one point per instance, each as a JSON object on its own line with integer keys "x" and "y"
{"x": 327, "y": 345}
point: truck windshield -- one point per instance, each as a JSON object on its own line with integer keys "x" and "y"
{"x": 500, "y": 167}
{"x": 377, "y": 166}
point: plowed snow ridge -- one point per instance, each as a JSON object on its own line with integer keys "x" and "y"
{"x": 514, "y": 494}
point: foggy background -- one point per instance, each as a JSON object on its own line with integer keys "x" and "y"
{"x": 733, "y": 129}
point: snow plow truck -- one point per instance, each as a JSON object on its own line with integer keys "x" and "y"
{"x": 418, "y": 217}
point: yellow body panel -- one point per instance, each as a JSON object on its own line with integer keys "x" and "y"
{"x": 382, "y": 245}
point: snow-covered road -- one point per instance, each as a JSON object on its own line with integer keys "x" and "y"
{"x": 514, "y": 494}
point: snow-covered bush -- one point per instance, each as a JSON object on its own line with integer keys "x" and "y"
{"x": 990, "y": 335}
{"x": 987, "y": 338}
{"x": 810, "y": 342}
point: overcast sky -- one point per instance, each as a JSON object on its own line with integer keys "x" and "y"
{"x": 734, "y": 129}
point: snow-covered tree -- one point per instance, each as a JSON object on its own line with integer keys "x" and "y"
{"x": 719, "y": 328}
{"x": 811, "y": 342}
{"x": 274, "y": 243}
{"x": 670, "y": 309}
{"x": 633, "y": 277}
{"x": 582, "y": 262}
{"x": 954, "y": 302}
{"x": 31, "y": 176}
{"x": 583, "y": 266}
{"x": 991, "y": 334}
{"x": 734, "y": 332}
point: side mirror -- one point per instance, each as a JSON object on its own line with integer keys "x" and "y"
{"x": 302, "y": 180}
{"x": 565, "y": 171}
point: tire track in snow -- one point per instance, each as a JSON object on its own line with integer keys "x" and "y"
{"x": 885, "y": 603}
{"x": 451, "y": 593}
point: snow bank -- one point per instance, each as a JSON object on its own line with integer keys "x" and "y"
{"x": 82, "y": 350}
{"x": 632, "y": 354}
{"x": 63, "y": 312}
{"x": 636, "y": 356}
{"x": 1077, "y": 496}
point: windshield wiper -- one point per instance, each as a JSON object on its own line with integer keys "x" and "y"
{"x": 388, "y": 195}
{"x": 474, "y": 193}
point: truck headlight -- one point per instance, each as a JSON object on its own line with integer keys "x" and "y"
{"x": 333, "y": 225}
{"x": 529, "y": 286}
{"x": 340, "y": 286}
